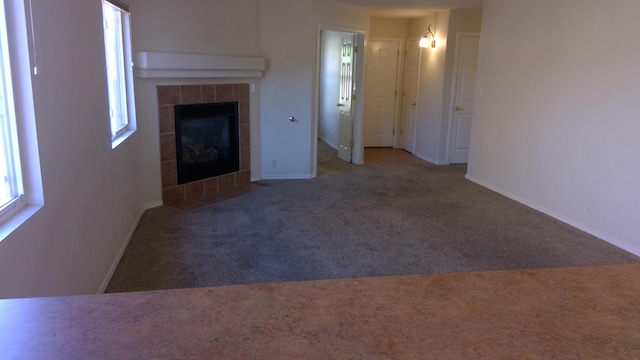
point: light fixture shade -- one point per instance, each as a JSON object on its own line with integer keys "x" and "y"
{"x": 424, "y": 42}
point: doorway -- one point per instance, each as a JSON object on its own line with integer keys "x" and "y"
{"x": 410, "y": 95}
{"x": 381, "y": 91}
{"x": 463, "y": 96}
{"x": 340, "y": 75}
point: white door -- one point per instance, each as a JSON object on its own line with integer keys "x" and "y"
{"x": 410, "y": 95}
{"x": 464, "y": 94}
{"x": 345, "y": 131}
{"x": 380, "y": 92}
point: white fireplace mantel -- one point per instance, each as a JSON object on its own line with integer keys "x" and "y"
{"x": 149, "y": 65}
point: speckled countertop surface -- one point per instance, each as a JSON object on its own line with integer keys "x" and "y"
{"x": 564, "y": 313}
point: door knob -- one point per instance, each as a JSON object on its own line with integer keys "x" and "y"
{"x": 413, "y": 103}
{"x": 459, "y": 108}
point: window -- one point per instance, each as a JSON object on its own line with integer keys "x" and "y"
{"x": 11, "y": 194}
{"x": 21, "y": 193}
{"x": 117, "y": 45}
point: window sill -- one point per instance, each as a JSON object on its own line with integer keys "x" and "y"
{"x": 17, "y": 219}
{"x": 120, "y": 139}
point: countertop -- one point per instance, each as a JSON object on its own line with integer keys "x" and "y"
{"x": 569, "y": 313}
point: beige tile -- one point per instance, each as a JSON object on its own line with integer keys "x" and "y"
{"x": 241, "y": 92}
{"x": 245, "y": 159}
{"x": 167, "y": 147}
{"x": 211, "y": 186}
{"x": 168, "y": 95}
{"x": 167, "y": 119}
{"x": 244, "y": 135}
{"x": 191, "y": 94}
{"x": 208, "y": 93}
{"x": 243, "y": 178}
{"x": 169, "y": 175}
{"x": 243, "y": 112}
{"x": 226, "y": 182}
{"x": 224, "y": 92}
{"x": 173, "y": 195}
{"x": 193, "y": 190}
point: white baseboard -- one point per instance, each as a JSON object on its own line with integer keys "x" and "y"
{"x": 426, "y": 158}
{"x": 116, "y": 261}
{"x": 152, "y": 205}
{"x": 328, "y": 142}
{"x": 567, "y": 220}
{"x": 286, "y": 177}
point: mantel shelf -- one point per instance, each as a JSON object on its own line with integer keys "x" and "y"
{"x": 176, "y": 65}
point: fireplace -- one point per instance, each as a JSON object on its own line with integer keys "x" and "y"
{"x": 214, "y": 121}
{"x": 206, "y": 140}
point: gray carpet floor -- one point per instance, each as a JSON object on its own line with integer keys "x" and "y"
{"x": 351, "y": 221}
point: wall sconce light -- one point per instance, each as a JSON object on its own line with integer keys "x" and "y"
{"x": 425, "y": 42}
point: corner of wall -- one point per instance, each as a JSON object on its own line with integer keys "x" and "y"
{"x": 132, "y": 229}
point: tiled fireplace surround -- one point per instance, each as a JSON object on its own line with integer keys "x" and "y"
{"x": 171, "y": 95}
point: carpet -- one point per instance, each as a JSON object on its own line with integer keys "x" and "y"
{"x": 352, "y": 221}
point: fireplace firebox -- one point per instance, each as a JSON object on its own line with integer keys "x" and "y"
{"x": 207, "y": 140}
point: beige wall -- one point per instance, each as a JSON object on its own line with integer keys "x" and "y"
{"x": 92, "y": 193}
{"x": 287, "y": 86}
{"x": 394, "y": 28}
{"x": 337, "y": 14}
{"x": 224, "y": 27}
{"x": 557, "y": 124}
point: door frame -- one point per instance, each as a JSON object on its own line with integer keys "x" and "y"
{"x": 345, "y": 98}
{"x": 452, "y": 96}
{"x": 417, "y": 95}
{"x": 358, "y": 107}
{"x": 397, "y": 111}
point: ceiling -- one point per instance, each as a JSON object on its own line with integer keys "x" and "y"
{"x": 411, "y": 8}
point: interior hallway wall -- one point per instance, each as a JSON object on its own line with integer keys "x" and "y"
{"x": 431, "y": 85}
{"x": 460, "y": 20}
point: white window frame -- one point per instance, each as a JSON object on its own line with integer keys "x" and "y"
{"x": 119, "y": 70}
{"x": 12, "y": 198}
{"x": 18, "y": 107}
